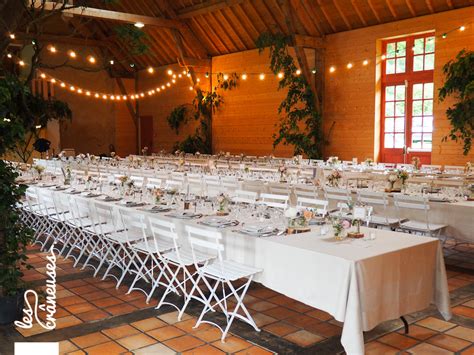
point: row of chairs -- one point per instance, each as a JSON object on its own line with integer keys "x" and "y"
{"x": 144, "y": 246}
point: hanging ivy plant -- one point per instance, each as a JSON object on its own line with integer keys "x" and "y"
{"x": 301, "y": 125}
{"x": 177, "y": 117}
{"x": 133, "y": 37}
{"x": 460, "y": 84}
{"x": 227, "y": 81}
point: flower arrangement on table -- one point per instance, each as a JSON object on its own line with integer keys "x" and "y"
{"x": 416, "y": 163}
{"x": 468, "y": 167}
{"x": 403, "y": 176}
{"x": 123, "y": 180}
{"x": 333, "y": 160}
{"x": 392, "y": 178}
{"x": 369, "y": 162}
{"x": 39, "y": 170}
{"x": 66, "y": 174}
{"x": 223, "y": 204}
{"x": 282, "y": 169}
{"x": 339, "y": 227}
{"x": 334, "y": 178}
{"x": 296, "y": 221}
{"x": 158, "y": 193}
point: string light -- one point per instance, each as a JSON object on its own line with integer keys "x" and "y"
{"x": 332, "y": 69}
{"x": 383, "y": 57}
{"x": 124, "y": 97}
{"x": 206, "y": 75}
{"x": 88, "y": 93}
{"x": 43, "y": 76}
{"x": 72, "y": 54}
{"x": 53, "y": 80}
{"x": 142, "y": 95}
{"x": 349, "y": 65}
{"x": 444, "y": 35}
{"x": 298, "y": 72}
{"x": 21, "y": 63}
{"x": 12, "y": 36}
{"x": 38, "y": 126}
{"x": 9, "y": 55}
{"x": 280, "y": 75}
{"x": 313, "y": 71}
{"x": 170, "y": 72}
{"x": 52, "y": 49}
{"x": 91, "y": 59}
{"x": 198, "y": 80}
{"x": 111, "y": 62}
{"x": 244, "y": 76}
{"x": 365, "y": 62}
{"x": 173, "y": 81}
{"x": 261, "y": 76}
{"x": 226, "y": 77}
{"x": 79, "y": 91}
{"x": 139, "y": 24}
{"x": 191, "y": 88}
{"x": 462, "y": 28}
{"x": 72, "y": 88}
{"x": 96, "y": 95}
{"x": 104, "y": 97}
{"x": 188, "y": 74}
{"x": 63, "y": 85}
{"x": 151, "y": 70}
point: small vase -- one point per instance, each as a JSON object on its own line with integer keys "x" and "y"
{"x": 339, "y": 235}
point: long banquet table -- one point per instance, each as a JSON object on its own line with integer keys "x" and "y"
{"x": 360, "y": 283}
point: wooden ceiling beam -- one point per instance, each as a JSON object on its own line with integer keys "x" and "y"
{"x": 358, "y": 12}
{"x": 391, "y": 8}
{"x": 310, "y": 11}
{"x": 411, "y": 8}
{"x": 112, "y": 15}
{"x": 201, "y": 63}
{"x": 309, "y": 41}
{"x": 341, "y": 13}
{"x": 429, "y": 4}
{"x": 372, "y": 8}
{"x": 206, "y": 7}
{"x": 326, "y": 16}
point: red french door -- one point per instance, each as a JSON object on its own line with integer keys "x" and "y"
{"x": 407, "y": 99}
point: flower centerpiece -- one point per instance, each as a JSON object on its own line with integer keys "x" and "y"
{"x": 296, "y": 221}
{"x": 123, "y": 180}
{"x": 223, "y": 205}
{"x": 416, "y": 163}
{"x": 39, "y": 170}
{"x": 392, "y": 179}
{"x": 403, "y": 176}
{"x": 158, "y": 193}
{"x": 282, "y": 170}
{"x": 67, "y": 174}
{"x": 339, "y": 227}
{"x": 369, "y": 162}
{"x": 468, "y": 167}
{"x": 334, "y": 178}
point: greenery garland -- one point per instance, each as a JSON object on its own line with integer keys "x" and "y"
{"x": 299, "y": 105}
{"x": 460, "y": 82}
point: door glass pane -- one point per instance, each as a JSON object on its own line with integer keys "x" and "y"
{"x": 390, "y": 50}
{"x": 416, "y": 140}
{"x": 400, "y": 124}
{"x": 427, "y": 141}
{"x": 427, "y": 107}
{"x": 401, "y": 48}
{"x": 399, "y": 140}
{"x": 388, "y": 140}
{"x": 430, "y": 45}
{"x": 417, "y": 108}
{"x": 389, "y": 124}
{"x": 400, "y": 108}
{"x": 428, "y": 91}
{"x": 400, "y": 94}
{"x": 428, "y": 124}
{"x": 417, "y": 124}
{"x": 389, "y": 110}
{"x": 389, "y": 93}
{"x": 390, "y": 66}
{"x": 418, "y": 47}
{"x": 429, "y": 62}
{"x": 417, "y": 91}
{"x": 418, "y": 63}
{"x": 400, "y": 65}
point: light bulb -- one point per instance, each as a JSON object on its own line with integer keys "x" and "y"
{"x": 124, "y": 97}
{"x": 173, "y": 81}
{"x": 43, "y": 75}
{"x": 88, "y": 93}
{"x": 383, "y": 57}
{"x": 191, "y": 88}
{"x": 72, "y": 88}
{"x": 365, "y": 62}
{"x": 111, "y": 62}
{"x": 298, "y": 72}
{"x": 180, "y": 76}
{"x": 332, "y": 69}
{"x": 163, "y": 87}
{"x": 63, "y": 85}
{"x": 150, "y": 70}
{"x": 139, "y": 24}
{"x": 118, "y": 98}
{"x": 72, "y": 54}
{"x": 158, "y": 89}
{"x": 21, "y": 63}
{"x": 112, "y": 97}
{"x": 188, "y": 74}
{"x": 226, "y": 77}
{"x": 261, "y": 76}
{"x": 79, "y": 91}
{"x": 170, "y": 72}
{"x": 52, "y": 49}
{"x": 349, "y": 65}
{"x": 9, "y": 55}
{"x": 244, "y": 76}
{"x": 462, "y": 28}
{"x": 12, "y": 36}
{"x": 280, "y": 75}
{"x": 142, "y": 94}
{"x": 104, "y": 97}
{"x": 53, "y": 80}
{"x": 91, "y": 59}
{"x": 168, "y": 84}
{"x": 198, "y": 80}
{"x": 96, "y": 95}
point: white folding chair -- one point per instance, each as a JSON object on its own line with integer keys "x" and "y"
{"x": 276, "y": 201}
{"x": 242, "y": 196}
{"x": 224, "y": 273}
{"x": 307, "y": 191}
{"x": 319, "y": 206}
{"x": 279, "y": 189}
{"x": 343, "y": 200}
{"x": 137, "y": 181}
{"x": 153, "y": 183}
{"x": 376, "y": 200}
{"x": 416, "y": 203}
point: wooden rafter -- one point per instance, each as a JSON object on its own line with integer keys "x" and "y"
{"x": 429, "y": 4}
{"x": 372, "y": 8}
{"x": 309, "y": 41}
{"x": 206, "y": 7}
{"x": 341, "y": 13}
{"x": 326, "y": 16}
{"x": 391, "y": 8}
{"x": 234, "y": 36}
{"x": 112, "y": 15}
{"x": 410, "y": 7}
{"x": 299, "y": 50}
{"x": 307, "y": 4}
{"x": 358, "y": 12}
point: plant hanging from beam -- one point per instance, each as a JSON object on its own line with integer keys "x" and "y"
{"x": 460, "y": 83}
{"x": 301, "y": 126}
{"x": 205, "y": 104}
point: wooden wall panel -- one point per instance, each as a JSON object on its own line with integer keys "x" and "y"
{"x": 350, "y": 95}
{"x": 125, "y": 131}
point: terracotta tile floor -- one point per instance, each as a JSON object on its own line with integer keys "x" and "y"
{"x": 85, "y": 300}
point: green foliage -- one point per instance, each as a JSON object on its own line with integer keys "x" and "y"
{"x": 177, "y": 117}
{"x": 14, "y": 235}
{"x": 193, "y": 144}
{"x": 460, "y": 84}
{"x": 133, "y": 37}
{"x": 301, "y": 126}
{"x": 228, "y": 83}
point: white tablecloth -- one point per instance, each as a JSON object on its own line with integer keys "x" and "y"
{"x": 360, "y": 283}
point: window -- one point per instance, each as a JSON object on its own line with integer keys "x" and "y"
{"x": 407, "y": 96}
